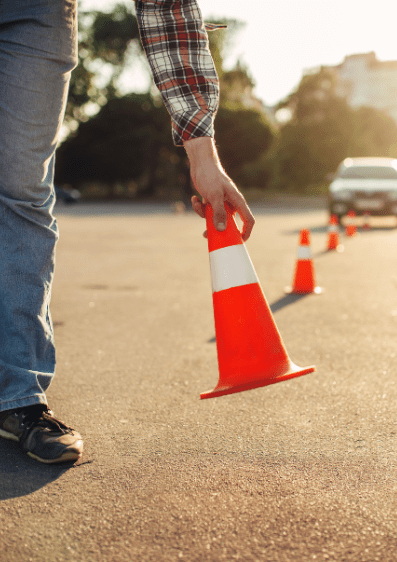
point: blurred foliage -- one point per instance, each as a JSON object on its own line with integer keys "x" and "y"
{"x": 322, "y": 131}
{"x": 374, "y": 133}
{"x": 243, "y": 135}
{"x": 127, "y": 147}
{"x": 222, "y": 40}
{"x": 104, "y": 42}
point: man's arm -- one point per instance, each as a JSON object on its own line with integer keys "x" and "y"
{"x": 176, "y": 45}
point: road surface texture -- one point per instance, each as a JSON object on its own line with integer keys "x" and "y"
{"x": 297, "y": 471}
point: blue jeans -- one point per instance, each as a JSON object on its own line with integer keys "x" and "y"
{"x": 38, "y": 50}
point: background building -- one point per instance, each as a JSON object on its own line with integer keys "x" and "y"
{"x": 366, "y": 81}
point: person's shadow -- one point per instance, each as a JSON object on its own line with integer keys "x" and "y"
{"x": 20, "y": 475}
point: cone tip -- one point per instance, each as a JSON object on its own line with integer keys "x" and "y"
{"x": 305, "y": 237}
{"x": 229, "y": 236}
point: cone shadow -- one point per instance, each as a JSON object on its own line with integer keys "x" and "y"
{"x": 326, "y": 252}
{"x": 313, "y": 229}
{"x": 287, "y": 300}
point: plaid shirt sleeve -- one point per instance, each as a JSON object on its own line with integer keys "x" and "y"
{"x": 175, "y": 41}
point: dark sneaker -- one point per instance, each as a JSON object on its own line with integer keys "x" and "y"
{"x": 42, "y": 436}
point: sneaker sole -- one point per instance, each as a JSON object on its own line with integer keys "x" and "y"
{"x": 69, "y": 456}
{"x": 8, "y": 435}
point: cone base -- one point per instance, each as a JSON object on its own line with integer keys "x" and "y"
{"x": 291, "y": 290}
{"x": 338, "y": 248}
{"x": 293, "y": 372}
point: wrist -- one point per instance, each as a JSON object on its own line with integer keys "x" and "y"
{"x": 201, "y": 150}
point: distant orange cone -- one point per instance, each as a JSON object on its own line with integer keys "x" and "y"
{"x": 367, "y": 224}
{"x": 251, "y": 353}
{"x": 351, "y": 227}
{"x": 304, "y": 278}
{"x": 333, "y": 233}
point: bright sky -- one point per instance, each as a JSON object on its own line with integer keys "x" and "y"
{"x": 283, "y": 38}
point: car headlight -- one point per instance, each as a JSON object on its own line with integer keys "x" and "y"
{"x": 341, "y": 194}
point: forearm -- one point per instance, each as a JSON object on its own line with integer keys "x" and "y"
{"x": 202, "y": 152}
{"x": 176, "y": 45}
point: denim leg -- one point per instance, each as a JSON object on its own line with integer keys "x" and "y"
{"x": 38, "y": 50}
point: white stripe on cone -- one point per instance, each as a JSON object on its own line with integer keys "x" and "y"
{"x": 304, "y": 253}
{"x": 231, "y": 267}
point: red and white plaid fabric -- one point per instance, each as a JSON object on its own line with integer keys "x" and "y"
{"x": 175, "y": 41}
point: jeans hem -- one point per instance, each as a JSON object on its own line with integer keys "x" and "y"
{"x": 23, "y": 402}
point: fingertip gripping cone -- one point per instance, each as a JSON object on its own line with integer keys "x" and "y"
{"x": 250, "y": 350}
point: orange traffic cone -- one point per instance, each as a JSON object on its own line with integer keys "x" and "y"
{"x": 367, "y": 224}
{"x": 333, "y": 233}
{"x": 351, "y": 228}
{"x": 251, "y": 353}
{"x": 304, "y": 278}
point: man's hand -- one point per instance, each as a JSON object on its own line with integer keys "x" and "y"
{"x": 215, "y": 186}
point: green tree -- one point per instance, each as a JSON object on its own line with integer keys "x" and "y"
{"x": 322, "y": 131}
{"x": 243, "y": 136}
{"x": 374, "y": 133}
{"x": 243, "y": 132}
{"x": 318, "y": 135}
{"x": 105, "y": 39}
{"x": 221, "y": 41}
{"x": 129, "y": 140}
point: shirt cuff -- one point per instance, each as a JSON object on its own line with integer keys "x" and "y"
{"x": 187, "y": 126}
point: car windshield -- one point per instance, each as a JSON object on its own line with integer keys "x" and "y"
{"x": 369, "y": 172}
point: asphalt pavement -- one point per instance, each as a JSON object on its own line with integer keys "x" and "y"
{"x": 297, "y": 471}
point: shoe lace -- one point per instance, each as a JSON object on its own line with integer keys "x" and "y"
{"x": 42, "y": 417}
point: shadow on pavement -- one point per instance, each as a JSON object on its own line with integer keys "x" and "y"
{"x": 126, "y": 208}
{"x": 386, "y": 228}
{"x": 286, "y": 300}
{"x": 313, "y": 229}
{"x": 327, "y": 252}
{"x": 324, "y": 228}
{"x": 21, "y": 475}
{"x": 101, "y": 208}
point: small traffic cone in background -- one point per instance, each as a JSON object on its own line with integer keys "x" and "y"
{"x": 333, "y": 233}
{"x": 251, "y": 353}
{"x": 304, "y": 278}
{"x": 351, "y": 227}
{"x": 367, "y": 224}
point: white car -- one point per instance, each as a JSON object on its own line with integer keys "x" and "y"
{"x": 364, "y": 185}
